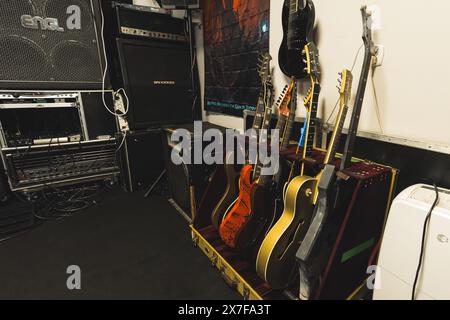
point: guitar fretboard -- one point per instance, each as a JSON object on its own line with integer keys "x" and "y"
{"x": 265, "y": 126}
{"x": 332, "y": 148}
{"x": 260, "y": 109}
{"x": 312, "y": 123}
{"x": 354, "y": 123}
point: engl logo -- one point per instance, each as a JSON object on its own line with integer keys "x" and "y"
{"x": 73, "y": 21}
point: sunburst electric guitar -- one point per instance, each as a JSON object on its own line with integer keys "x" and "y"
{"x": 232, "y": 174}
{"x": 245, "y": 219}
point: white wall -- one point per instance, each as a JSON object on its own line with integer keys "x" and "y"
{"x": 412, "y": 85}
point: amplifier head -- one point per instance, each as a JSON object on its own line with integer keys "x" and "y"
{"x": 180, "y": 4}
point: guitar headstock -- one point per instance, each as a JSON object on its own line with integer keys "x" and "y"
{"x": 311, "y": 58}
{"x": 297, "y": 5}
{"x": 367, "y": 29}
{"x": 345, "y": 86}
{"x": 283, "y": 102}
{"x": 264, "y": 66}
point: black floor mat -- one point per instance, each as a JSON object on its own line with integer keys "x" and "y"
{"x": 127, "y": 247}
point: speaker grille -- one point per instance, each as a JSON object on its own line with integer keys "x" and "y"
{"x": 76, "y": 57}
{"x": 12, "y": 10}
{"x": 39, "y": 58}
{"x": 23, "y": 55}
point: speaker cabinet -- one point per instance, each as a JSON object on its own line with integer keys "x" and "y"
{"x": 187, "y": 182}
{"x": 141, "y": 159}
{"x": 158, "y": 82}
{"x": 50, "y": 44}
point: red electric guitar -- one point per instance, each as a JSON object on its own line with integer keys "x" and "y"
{"x": 244, "y": 221}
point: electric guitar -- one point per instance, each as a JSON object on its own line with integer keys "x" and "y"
{"x": 315, "y": 250}
{"x": 298, "y": 23}
{"x": 245, "y": 220}
{"x": 276, "y": 257}
{"x": 232, "y": 174}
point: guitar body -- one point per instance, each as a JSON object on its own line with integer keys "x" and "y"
{"x": 249, "y": 215}
{"x": 230, "y": 195}
{"x": 297, "y": 32}
{"x": 237, "y": 216}
{"x": 261, "y": 216}
{"x": 275, "y": 262}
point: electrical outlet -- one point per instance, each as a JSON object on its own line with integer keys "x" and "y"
{"x": 379, "y": 55}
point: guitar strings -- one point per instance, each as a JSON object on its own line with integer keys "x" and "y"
{"x": 327, "y": 123}
{"x": 377, "y": 106}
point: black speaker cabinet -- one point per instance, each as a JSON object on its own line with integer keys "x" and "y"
{"x": 50, "y": 44}
{"x": 157, "y": 78}
{"x": 187, "y": 182}
{"x": 141, "y": 159}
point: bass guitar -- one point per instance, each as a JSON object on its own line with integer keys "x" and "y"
{"x": 315, "y": 250}
{"x": 298, "y": 23}
{"x": 232, "y": 173}
{"x": 246, "y": 218}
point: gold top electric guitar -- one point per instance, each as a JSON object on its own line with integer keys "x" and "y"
{"x": 276, "y": 257}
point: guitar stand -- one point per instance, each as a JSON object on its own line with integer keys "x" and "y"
{"x": 157, "y": 183}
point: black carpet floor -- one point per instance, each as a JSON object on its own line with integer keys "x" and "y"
{"x": 127, "y": 247}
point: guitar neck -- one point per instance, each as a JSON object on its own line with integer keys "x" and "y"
{"x": 353, "y": 130}
{"x": 290, "y": 121}
{"x": 336, "y": 137}
{"x": 287, "y": 132}
{"x": 312, "y": 123}
{"x": 260, "y": 110}
{"x": 265, "y": 126}
{"x": 281, "y": 124}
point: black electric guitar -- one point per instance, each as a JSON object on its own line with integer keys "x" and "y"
{"x": 298, "y": 23}
{"x": 316, "y": 248}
